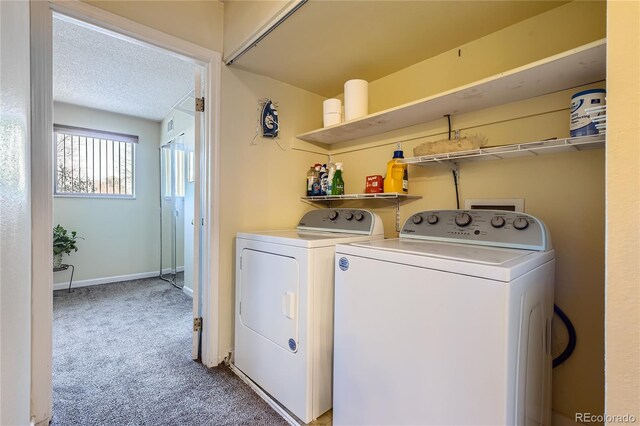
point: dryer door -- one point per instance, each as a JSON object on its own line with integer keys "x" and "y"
{"x": 269, "y": 285}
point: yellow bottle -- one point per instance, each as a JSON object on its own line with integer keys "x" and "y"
{"x": 397, "y": 179}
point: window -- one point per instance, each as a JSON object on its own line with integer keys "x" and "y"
{"x": 94, "y": 163}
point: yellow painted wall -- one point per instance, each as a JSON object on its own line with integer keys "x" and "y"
{"x": 199, "y": 22}
{"x": 622, "y": 324}
{"x": 549, "y": 33}
{"x": 565, "y": 190}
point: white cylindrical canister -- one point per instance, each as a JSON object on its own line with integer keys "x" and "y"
{"x": 580, "y": 122}
{"x": 332, "y": 118}
{"x": 332, "y": 105}
{"x": 356, "y": 99}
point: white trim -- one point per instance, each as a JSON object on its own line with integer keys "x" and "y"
{"x": 41, "y": 174}
{"x": 210, "y": 211}
{"x": 265, "y": 396}
{"x": 113, "y": 279}
{"x": 198, "y": 160}
{"x": 118, "y": 26}
{"x": 188, "y": 291}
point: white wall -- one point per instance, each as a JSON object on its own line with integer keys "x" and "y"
{"x": 121, "y": 237}
{"x": 15, "y": 215}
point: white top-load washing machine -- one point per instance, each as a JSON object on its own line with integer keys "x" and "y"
{"x": 284, "y": 306}
{"x": 447, "y": 325}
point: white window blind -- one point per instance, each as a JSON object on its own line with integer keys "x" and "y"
{"x": 94, "y": 162}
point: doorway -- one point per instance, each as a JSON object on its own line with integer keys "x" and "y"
{"x": 42, "y": 155}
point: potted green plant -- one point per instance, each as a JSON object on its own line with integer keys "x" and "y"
{"x": 63, "y": 242}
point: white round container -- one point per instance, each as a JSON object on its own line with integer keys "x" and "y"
{"x": 580, "y": 123}
{"x": 332, "y": 105}
{"x": 356, "y": 99}
{"x": 332, "y": 118}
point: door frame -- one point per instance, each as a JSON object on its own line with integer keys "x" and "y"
{"x": 41, "y": 179}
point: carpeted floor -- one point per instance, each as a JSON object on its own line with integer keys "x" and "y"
{"x": 122, "y": 356}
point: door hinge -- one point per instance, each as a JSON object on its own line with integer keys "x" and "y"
{"x": 197, "y": 324}
{"x": 200, "y": 104}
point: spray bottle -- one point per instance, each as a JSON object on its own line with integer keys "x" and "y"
{"x": 324, "y": 183}
{"x": 338, "y": 183}
{"x": 331, "y": 170}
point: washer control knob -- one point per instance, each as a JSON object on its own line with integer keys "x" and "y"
{"x": 333, "y": 215}
{"x": 463, "y": 219}
{"x": 416, "y": 219}
{"x": 497, "y": 221}
{"x": 520, "y": 223}
{"x": 349, "y": 216}
{"x": 432, "y": 219}
{"x": 359, "y": 216}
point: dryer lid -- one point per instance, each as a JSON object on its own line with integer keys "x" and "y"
{"x": 306, "y": 239}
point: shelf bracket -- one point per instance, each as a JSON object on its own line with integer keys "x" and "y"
{"x": 318, "y": 204}
{"x": 449, "y": 165}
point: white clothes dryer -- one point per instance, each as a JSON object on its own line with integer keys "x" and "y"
{"x": 447, "y": 325}
{"x": 284, "y": 306}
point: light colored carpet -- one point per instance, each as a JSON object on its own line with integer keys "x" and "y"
{"x": 122, "y": 356}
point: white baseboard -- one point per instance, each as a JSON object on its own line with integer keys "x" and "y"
{"x": 114, "y": 279}
{"x": 188, "y": 291}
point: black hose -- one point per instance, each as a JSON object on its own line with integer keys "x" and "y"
{"x": 455, "y": 173}
{"x": 571, "y": 345}
{"x": 455, "y": 183}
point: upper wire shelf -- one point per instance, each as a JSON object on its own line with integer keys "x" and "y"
{"x": 530, "y": 149}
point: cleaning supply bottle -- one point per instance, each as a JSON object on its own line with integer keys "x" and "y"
{"x": 338, "y": 183}
{"x": 315, "y": 188}
{"x": 311, "y": 177}
{"x": 324, "y": 176}
{"x": 397, "y": 179}
{"x": 331, "y": 170}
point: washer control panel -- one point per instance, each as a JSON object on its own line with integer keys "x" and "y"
{"x": 353, "y": 221}
{"x": 483, "y": 227}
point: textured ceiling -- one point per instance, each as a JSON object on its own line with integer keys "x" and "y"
{"x": 94, "y": 69}
{"x": 325, "y": 43}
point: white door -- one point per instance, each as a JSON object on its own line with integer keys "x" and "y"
{"x": 197, "y": 219}
{"x": 269, "y": 285}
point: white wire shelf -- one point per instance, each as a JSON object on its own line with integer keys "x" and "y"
{"x": 379, "y": 196}
{"x": 530, "y": 149}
